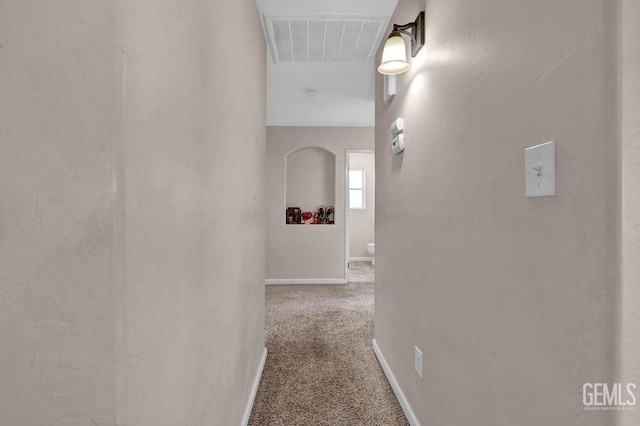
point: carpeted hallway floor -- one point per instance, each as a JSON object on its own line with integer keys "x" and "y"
{"x": 321, "y": 368}
{"x": 361, "y": 272}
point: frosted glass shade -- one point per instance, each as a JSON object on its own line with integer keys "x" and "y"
{"x": 394, "y": 56}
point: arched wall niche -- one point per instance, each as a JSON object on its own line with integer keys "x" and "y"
{"x": 310, "y": 178}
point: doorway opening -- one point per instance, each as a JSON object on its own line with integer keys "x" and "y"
{"x": 360, "y": 215}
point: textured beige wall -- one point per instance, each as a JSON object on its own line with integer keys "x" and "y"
{"x": 307, "y": 251}
{"x": 363, "y": 222}
{"x": 192, "y": 146}
{"x": 511, "y": 299}
{"x": 131, "y": 185}
{"x": 630, "y": 295}
{"x": 310, "y": 175}
{"x": 56, "y": 220}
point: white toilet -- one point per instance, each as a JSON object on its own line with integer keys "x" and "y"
{"x": 371, "y": 249}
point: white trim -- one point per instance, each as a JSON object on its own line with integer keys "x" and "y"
{"x": 411, "y": 417}
{"x": 254, "y": 389}
{"x": 360, "y": 259}
{"x": 306, "y": 281}
{"x": 347, "y": 215}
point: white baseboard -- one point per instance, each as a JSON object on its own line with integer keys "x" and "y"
{"x": 306, "y": 281}
{"x": 360, "y": 259}
{"x": 411, "y": 417}
{"x": 254, "y": 390}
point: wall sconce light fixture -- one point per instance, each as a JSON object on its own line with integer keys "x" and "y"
{"x": 394, "y": 53}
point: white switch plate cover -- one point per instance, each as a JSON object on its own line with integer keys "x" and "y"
{"x": 397, "y": 144}
{"x": 540, "y": 170}
{"x": 418, "y": 361}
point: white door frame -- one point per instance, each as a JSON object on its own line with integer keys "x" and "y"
{"x": 347, "y": 210}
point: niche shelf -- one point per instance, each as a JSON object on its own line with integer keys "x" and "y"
{"x": 310, "y": 182}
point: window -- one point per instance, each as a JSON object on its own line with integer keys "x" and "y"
{"x": 356, "y": 189}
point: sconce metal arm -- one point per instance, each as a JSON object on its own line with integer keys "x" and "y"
{"x": 416, "y": 32}
{"x": 403, "y": 29}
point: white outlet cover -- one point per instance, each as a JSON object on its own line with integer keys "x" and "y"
{"x": 540, "y": 170}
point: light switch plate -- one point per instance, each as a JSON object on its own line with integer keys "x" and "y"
{"x": 397, "y": 144}
{"x": 418, "y": 361}
{"x": 540, "y": 170}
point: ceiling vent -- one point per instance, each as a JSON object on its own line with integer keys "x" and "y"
{"x": 320, "y": 39}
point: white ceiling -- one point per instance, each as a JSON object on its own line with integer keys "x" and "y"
{"x": 325, "y": 47}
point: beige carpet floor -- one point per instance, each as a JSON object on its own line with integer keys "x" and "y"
{"x": 321, "y": 368}
{"x": 361, "y": 272}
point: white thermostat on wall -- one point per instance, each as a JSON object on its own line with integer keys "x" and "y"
{"x": 397, "y": 144}
{"x": 397, "y": 126}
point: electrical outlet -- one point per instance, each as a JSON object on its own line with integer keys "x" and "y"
{"x": 418, "y": 361}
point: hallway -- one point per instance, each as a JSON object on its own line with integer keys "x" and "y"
{"x": 321, "y": 368}
{"x": 151, "y": 149}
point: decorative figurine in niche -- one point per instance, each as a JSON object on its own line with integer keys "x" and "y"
{"x": 307, "y": 217}
{"x": 330, "y": 215}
